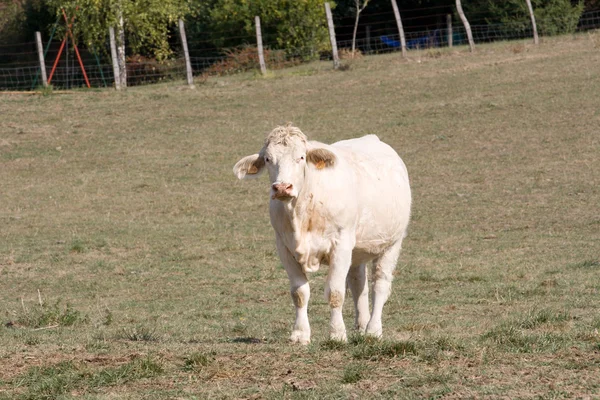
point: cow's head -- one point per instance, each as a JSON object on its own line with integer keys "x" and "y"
{"x": 286, "y": 155}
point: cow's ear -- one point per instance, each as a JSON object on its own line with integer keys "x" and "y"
{"x": 249, "y": 167}
{"x": 321, "y": 158}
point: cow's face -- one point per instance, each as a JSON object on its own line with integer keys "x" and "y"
{"x": 286, "y": 163}
{"x": 286, "y": 155}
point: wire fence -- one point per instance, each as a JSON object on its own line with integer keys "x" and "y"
{"x": 20, "y": 70}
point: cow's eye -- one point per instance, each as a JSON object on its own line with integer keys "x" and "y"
{"x": 267, "y": 159}
{"x": 302, "y": 157}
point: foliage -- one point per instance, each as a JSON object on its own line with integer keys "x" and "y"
{"x": 143, "y": 70}
{"x": 11, "y": 17}
{"x": 245, "y": 58}
{"x": 147, "y": 23}
{"x": 20, "y": 19}
{"x": 552, "y": 16}
{"x": 558, "y": 16}
{"x": 298, "y": 26}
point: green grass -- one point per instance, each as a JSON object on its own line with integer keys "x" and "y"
{"x": 157, "y": 270}
{"x": 354, "y": 373}
{"x": 197, "y": 361}
{"x": 41, "y": 315}
{"x": 67, "y": 377}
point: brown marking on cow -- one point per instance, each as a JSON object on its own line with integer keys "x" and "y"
{"x": 336, "y": 299}
{"x": 298, "y": 298}
{"x": 314, "y": 221}
{"x": 321, "y": 158}
{"x": 252, "y": 167}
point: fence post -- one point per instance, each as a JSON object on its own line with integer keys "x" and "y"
{"x": 466, "y": 24}
{"x": 259, "y": 45}
{"x": 400, "y": 28}
{"x": 336, "y": 58}
{"x": 186, "y": 54}
{"x": 536, "y": 40}
{"x": 115, "y": 61}
{"x": 368, "y": 38}
{"x": 449, "y": 24}
{"x": 38, "y": 42}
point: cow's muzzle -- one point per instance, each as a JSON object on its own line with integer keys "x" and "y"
{"x": 282, "y": 191}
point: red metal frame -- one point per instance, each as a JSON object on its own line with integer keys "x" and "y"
{"x": 62, "y": 46}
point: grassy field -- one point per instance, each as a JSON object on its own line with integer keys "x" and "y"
{"x": 134, "y": 265}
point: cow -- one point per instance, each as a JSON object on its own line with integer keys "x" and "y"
{"x": 343, "y": 205}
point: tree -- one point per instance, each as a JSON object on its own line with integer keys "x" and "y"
{"x": 359, "y": 6}
{"x": 298, "y": 26}
{"x": 20, "y": 19}
{"x": 552, "y": 16}
{"x": 145, "y": 24}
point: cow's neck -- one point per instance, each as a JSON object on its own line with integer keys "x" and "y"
{"x": 293, "y": 209}
{"x": 296, "y": 211}
{"x": 306, "y": 222}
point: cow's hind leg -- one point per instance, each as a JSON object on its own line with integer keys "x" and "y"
{"x": 300, "y": 291}
{"x": 357, "y": 282}
{"x": 383, "y": 269}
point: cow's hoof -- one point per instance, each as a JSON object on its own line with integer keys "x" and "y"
{"x": 300, "y": 337}
{"x": 338, "y": 336}
{"x": 374, "y": 332}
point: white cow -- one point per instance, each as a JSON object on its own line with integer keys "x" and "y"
{"x": 343, "y": 205}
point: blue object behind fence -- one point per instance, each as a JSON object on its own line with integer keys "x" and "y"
{"x": 434, "y": 39}
{"x": 389, "y": 42}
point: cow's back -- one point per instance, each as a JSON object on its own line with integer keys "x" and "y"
{"x": 383, "y": 193}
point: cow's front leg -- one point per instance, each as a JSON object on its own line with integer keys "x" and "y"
{"x": 300, "y": 291}
{"x": 335, "y": 286}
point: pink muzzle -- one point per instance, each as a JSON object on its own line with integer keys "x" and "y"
{"x": 282, "y": 190}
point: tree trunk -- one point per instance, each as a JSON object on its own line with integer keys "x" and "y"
{"x": 466, "y": 24}
{"x": 355, "y": 29}
{"x": 536, "y": 40}
{"x": 359, "y": 9}
{"x": 121, "y": 50}
{"x": 400, "y": 28}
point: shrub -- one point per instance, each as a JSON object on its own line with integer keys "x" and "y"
{"x": 299, "y": 27}
{"x": 141, "y": 70}
{"x": 245, "y": 58}
{"x": 553, "y": 17}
